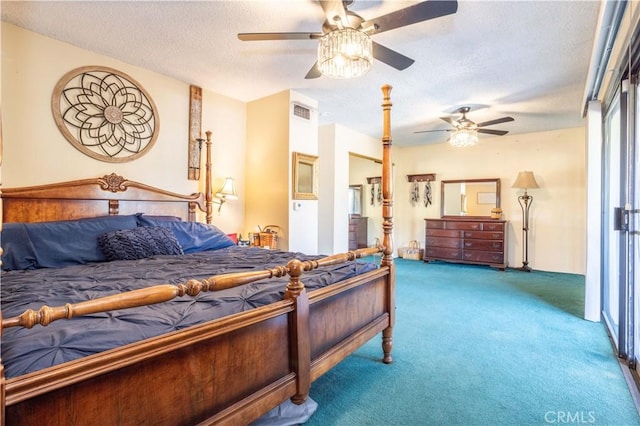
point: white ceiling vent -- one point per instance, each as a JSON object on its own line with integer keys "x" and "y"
{"x": 301, "y": 111}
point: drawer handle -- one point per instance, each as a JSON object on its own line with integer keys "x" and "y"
{"x": 497, "y": 235}
{"x": 468, "y": 244}
{"x": 496, "y": 245}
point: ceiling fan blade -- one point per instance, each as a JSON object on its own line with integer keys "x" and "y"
{"x": 314, "y": 72}
{"x": 391, "y": 57}
{"x": 493, "y": 132}
{"x": 449, "y": 120}
{"x": 496, "y": 121}
{"x": 278, "y": 36}
{"x": 411, "y": 15}
{"x": 430, "y": 131}
{"x": 334, "y": 10}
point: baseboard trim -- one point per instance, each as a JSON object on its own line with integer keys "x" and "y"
{"x": 632, "y": 378}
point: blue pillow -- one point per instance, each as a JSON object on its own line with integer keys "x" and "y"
{"x": 73, "y": 242}
{"x": 17, "y": 249}
{"x": 144, "y": 218}
{"x": 193, "y": 236}
{"x": 139, "y": 243}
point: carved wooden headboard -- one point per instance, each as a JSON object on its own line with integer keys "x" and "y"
{"x": 107, "y": 195}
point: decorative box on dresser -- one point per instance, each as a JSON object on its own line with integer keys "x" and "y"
{"x": 357, "y": 232}
{"x": 466, "y": 240}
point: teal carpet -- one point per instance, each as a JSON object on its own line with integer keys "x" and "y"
{"x": 476, "y": 346}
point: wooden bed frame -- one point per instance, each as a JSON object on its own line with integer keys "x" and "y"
{"x": 227, "y": 371}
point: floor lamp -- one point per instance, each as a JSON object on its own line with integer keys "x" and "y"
{"x": 525, "y": 180}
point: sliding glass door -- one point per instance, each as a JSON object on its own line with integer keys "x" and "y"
{"x": 610, "y": 238}
{"x": 621, "y": 298}
{"x": 633, "y": 232}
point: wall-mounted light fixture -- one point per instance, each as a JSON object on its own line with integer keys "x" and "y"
{"x": 226, "y": 192}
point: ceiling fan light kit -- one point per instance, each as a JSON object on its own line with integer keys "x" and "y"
{"x": 463, "y": 137}
{"x": 346, "y": 49}
{"x": 465, "y": 131}
{"x": 345, "y": 53}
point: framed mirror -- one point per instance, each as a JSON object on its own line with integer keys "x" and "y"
{"x": 355, "y": 200}
{"x": 305, "y": 176}
{"x": 469, "y": 197}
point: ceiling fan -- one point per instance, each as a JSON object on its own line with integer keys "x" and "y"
{"x": 463, "y": 123}
{"x": 339, "y": 18}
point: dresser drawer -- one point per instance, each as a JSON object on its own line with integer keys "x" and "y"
{"x": 435, "y": 224}
{"x": 443, "y": 233}
{"x": 493, "y": 226}
{"x": 444, "y": 242}
{"x": 482, "y": 256}
{"x": 488, "y": 245}
{"x": 464, "y": 225}
{"x": 484, "y": 235}
{"x": 443, "y": 253}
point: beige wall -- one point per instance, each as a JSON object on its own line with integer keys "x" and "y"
{"x": 557, "y": 158}
{"x": 273, "y": 134}
{"x": 35, "y": 151}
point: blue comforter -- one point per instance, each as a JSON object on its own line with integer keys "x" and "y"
{"x": 28, "y": 350}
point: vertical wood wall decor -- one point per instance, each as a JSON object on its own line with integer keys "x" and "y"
{"x": 195, "y": 132}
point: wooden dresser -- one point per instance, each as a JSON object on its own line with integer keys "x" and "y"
{"x": 476, "y": 241}
{"x": 357, "y": 232}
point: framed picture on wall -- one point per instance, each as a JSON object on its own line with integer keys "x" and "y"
{"x": 305, "y": 176}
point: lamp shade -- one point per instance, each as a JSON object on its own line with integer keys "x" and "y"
{"x": 525, "y": 180}
{"x": 345, "y": 53}
{"x": 228, "y": 190}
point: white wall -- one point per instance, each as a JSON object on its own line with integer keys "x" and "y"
{"x": 339, "y": 141}
{"x": 35, "y": 152}
{"x": 593, "y": 303}
{"x": 557, "y": 219}
{"x": 303, "y": 138}
{"x": 328, "y": 214}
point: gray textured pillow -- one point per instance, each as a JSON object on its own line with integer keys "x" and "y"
{"x": 139, "y": 243}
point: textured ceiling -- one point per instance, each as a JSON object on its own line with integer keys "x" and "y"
{"x": 526, "y": 59}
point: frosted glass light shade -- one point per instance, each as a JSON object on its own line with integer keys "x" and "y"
{"x": 463, "y": 137}
{"x": 345, "y": 53}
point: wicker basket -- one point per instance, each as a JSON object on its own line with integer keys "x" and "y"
{"x": 269, "y": 237}
{"x": 413, "y": 252}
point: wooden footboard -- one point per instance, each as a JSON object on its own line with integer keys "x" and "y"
{"x": 230, "y": 370}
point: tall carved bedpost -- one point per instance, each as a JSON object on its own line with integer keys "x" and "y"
{"x": 208, "y": 191}
{"x": 2, "y": 378}
{"x": 300, "y": 334}
{"x": 387, "y": 220}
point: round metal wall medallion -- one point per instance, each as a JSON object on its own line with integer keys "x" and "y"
{"x": 105, "y": 114}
